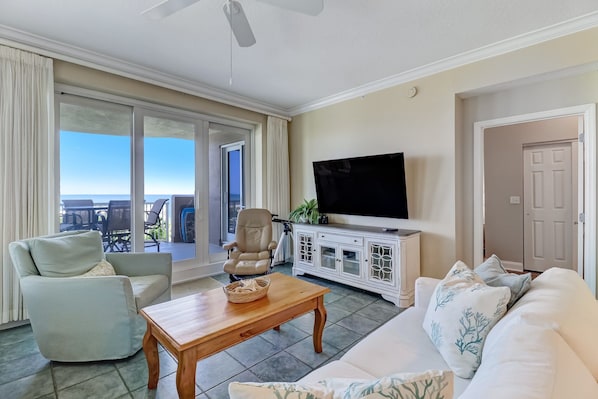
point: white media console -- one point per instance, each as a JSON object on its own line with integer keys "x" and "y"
{"x": 385, "y": 262}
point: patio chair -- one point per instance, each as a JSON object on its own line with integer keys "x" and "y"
{"x": 78, "y": 313}
{"x": 251, "y": 252}
{"x": 116, "y": 228}
{"x": 77, "y": 219}
{"x": 153, "y": 222}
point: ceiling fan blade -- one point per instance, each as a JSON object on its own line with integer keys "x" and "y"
{"x": 239, "y": 23}
{"x": 166, "y": 8}
{"x": 309, "y": 7}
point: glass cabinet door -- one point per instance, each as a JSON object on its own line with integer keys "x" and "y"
{"x": 351, "y": 262}
{"x": 328, "y": 257}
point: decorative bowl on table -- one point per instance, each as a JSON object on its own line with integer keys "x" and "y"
{"x": 249, "y": 290}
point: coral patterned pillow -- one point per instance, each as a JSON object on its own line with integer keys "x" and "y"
{"x": 431, "y": 384}
{"x": 275, "y": 390}
{"x": 462, "y": 310}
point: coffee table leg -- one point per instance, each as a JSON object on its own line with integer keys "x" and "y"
{"x": 320, "y": 321}
{"x": 185, "y": 375}
{"x": 150, "y": 348}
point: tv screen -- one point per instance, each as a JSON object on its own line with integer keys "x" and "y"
{"x": 368, "y": 186}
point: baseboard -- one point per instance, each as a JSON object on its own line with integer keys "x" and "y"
{"x": 193, "y": 273}
{"x": 514, "y": 266}
{"x": 12, "y": 324}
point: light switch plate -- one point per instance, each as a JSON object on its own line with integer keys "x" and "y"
{"x": 515, "y": 199}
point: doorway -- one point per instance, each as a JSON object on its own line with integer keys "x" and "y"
{"x": 586, "y": 252}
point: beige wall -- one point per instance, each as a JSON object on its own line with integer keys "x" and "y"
{"x": 435, "y": 130}
{"x": 503, "y": 177}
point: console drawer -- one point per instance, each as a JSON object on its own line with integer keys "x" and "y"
{"x": 340, "y": 239}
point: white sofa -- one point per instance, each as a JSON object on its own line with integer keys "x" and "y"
{"x": 546, "y": 345}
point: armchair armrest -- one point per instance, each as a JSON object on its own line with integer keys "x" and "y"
{"x": 424, "y": 288}
{"x": 229, "y": 246}
{"x": 272, "y": 246}
{"x": 141, "y": 264}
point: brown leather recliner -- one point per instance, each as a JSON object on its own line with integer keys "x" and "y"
{"x": 251, "y": 252}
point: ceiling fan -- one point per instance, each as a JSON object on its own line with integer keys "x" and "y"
{"x": 235, "y": 15}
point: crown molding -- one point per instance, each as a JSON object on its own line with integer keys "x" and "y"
{"x": 76, "y": 55}
{"x": 565, "y": 28}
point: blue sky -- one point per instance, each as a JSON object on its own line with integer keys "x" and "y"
{"x": 100, "y": 164}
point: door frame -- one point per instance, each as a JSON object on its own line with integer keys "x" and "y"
{"x": 586, "y": 183}
{"x": 224, "y": 169}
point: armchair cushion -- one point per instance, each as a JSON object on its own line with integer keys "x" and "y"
{"x": 67, "y": 256}
{"x": 147, "y": 288}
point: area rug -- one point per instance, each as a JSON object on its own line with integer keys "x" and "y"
{"x": 195, "y": 286}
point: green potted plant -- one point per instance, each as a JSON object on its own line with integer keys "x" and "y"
{"x": 307, "y": 212}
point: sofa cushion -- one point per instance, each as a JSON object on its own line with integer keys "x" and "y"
{"x": 462, "y": 311}
{"x": 336, "y": 368}
{"x": 494, "y": 274}
{"x": 405, "y": 348}
{"x": 530, "y": 361}
{"x": 67, "y": 256}
{"x": 560, "y": 298}
{"x": 103, "y": 268}
{"x": 147, "y": 288}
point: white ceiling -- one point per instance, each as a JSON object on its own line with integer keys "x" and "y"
{"x": 299, "y": 62}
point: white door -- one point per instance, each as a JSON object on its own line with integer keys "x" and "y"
{"x": 548, "y": 207}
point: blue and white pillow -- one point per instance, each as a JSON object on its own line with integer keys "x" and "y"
{"x": 461, "y": 312}
{"x": 494, "y": 274}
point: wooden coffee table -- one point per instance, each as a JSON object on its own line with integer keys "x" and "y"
{"x": 197, "y": 326}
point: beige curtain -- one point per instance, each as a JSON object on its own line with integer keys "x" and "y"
{"x": 279, "y": 196}
{"x": 26, "y": 125}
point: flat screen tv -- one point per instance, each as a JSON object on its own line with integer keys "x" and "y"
{"x": 368, "y": 186}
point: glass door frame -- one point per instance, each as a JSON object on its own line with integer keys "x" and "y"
{"x": 225, "y": 150}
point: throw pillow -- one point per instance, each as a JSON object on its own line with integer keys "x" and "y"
{"x": 68, "y": 255}
{"x": 494, "y": 274}
{"x": 103, "y": 268}
{"x": 275, "y": 390}
{"x": 431, "y": 384}
{"x": 460, "y": 314}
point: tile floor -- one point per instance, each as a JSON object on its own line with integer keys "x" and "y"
{"x": 286, "y": 355}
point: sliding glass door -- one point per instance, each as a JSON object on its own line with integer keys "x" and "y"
{"x": 169, "y": 186}
{"x": 151, "y": 178}
{"x": 229, "y": 173}
{"x": 95, "y": 168}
